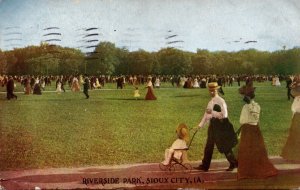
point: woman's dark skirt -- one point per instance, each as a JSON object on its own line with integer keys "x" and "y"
{"x": 253, "y": 161}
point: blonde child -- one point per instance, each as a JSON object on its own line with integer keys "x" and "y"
{"x": 179, "y": 143}
{"x": 136, "y": 94}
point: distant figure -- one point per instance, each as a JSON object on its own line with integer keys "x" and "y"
{"x": 150, "y": 93}
{"x": 37, "y": 87}
{"x": 80, "y": 80}
{"x": 75, "y": 85}
{"x": 58, "y": 86}
{"x": 188, "y": 83}
{"x": 27, "y": 88}
{"x": 196, "y": 83}
{"x": 86, "y": 85}
{"x": 97, "y": 84}
{"x": 182, "y": 81}
{"x": 43, "y": 83}
{"x": 120, "y": 82}
{"x": 136, "y": 94}
{"x": 220, "y": 84}
{"x": 248, "y": 80}
{"x": 173, "y": 80}
{"x": 289, "y": 88}
{"x": 238, "y": 80}
{"x": 157, "y": 82}
{"x": 10, "y": 86}
{"x": 32, "y": 82}
{"x": 231, "y": 79}
{"x": 62, "y": 81}
{"x": 277, "y": 82}
{"x": 203, "y": 83}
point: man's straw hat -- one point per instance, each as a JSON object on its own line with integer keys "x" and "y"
{"x": 212, "y": 86}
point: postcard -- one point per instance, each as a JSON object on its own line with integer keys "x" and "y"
{"x": 149, "y": 94}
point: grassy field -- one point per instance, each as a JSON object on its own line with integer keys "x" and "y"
{"x": 67, "y": 130}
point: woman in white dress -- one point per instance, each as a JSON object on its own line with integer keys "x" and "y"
{"x": 277, "y": 82}
{"x": 58, "y": 89}
{"x": 157, "y": 82}
{"x": 97, "y": 84}
{"x": 196, "y": 83}
{"x": 182, "y": 80}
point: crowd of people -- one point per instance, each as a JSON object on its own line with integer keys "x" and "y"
{"x": 252, "y": 160}
{"x": 37, "y": 84}
{"x": 189, "y": 81}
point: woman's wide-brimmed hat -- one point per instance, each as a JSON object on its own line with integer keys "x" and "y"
{"x": 212, "y": 86}
{"x": 247, "y": 90}
{"x": 295, "y": 89}
{"x": 182, "y": 132}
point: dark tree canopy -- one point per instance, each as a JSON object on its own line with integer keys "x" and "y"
{"x": 108, "y": 59}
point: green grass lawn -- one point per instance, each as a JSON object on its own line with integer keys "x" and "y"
{"x": 67, "y": 130}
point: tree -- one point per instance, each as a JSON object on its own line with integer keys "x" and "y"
{"x": 3, "y": 63}
{"x": 11, "y": 62}
{"x": 140, "y": 62}
{"x": 122, "y": 66}
{"x": 156, "y": 69}
{"x": 174, "y": 61}
{"x": 70, "y": 61}
{"x": 201, "y": 64}
{"x": 108, "y": 59}
{"x": 105, "y": 59}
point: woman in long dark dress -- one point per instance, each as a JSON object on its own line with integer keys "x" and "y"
{"x": 150, "y": 93}
{"x": 253, "y": 161}
{"x": 37, "y": 87}
{"x": 27, "y": 86}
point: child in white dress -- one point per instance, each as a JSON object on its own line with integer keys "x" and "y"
{"x": 179, "y": 143}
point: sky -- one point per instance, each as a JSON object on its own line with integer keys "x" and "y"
{"x": 215, "y": 25}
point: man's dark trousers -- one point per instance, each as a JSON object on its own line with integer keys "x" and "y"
{"x": 209, "y": 148}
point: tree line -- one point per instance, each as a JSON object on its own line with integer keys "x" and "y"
{"x": 107, "y": 59}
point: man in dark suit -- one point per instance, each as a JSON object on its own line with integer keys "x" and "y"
{"x": 10, "y": 86}
{"x": 120, "y": 82}
{"x": 238, "y": 80}
{"x": 220, "y": 130}
{"x": 86, "y": 85}
{"x": 62, "y": 81}
{"x": 220, "y": 82}
{"x": 288, "y": 86}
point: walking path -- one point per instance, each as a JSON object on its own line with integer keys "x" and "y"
{"x": 148, "y": 176}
